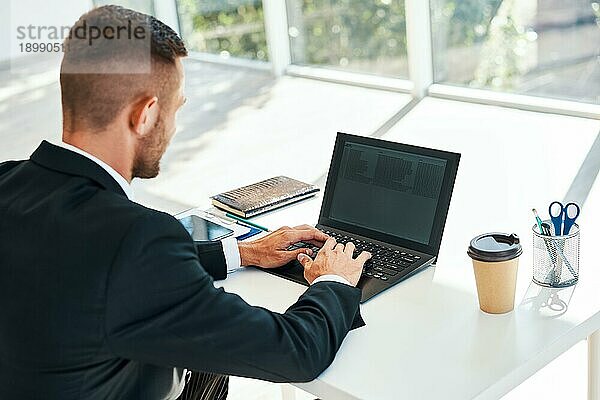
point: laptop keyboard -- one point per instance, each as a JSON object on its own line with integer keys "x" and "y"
{"x": 385, "y": 262}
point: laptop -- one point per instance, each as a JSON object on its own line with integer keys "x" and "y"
{"x": 388, "y": 198}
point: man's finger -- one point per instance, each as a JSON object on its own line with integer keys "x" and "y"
{"x": 363, "y": 257}
{"x": 302, "y": 235}
{"x": 303, "y": 226}
{"x": 305, "y": 260}
{"x": 307, "y": 264}
{"x": 349, "y": 249}
{"x": 339, "y": 247}
{"x": 319, "y": 235}
{"x": 317, "y": 243}
{"x": 306, "y": 251}
{"x": 329, "y": 244}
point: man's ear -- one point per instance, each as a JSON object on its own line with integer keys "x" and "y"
{"x": 144, "y": 115}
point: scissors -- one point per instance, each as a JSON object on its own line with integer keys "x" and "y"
{"x": 562, "y": 216}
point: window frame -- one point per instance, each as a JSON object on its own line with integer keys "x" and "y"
{"x": 420, "y": 64}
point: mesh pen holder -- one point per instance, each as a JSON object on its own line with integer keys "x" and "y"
{"x": 556, "y": 258}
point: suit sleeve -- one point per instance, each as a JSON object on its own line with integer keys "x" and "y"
{"x": 162, "y": 308}
{"x": 212, "y": 258}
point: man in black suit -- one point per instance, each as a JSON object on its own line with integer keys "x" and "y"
{"x": 102, "y": 298}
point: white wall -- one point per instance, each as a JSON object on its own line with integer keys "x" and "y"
{"x": 4, "y": 34}
{"x": 35, "y": 12}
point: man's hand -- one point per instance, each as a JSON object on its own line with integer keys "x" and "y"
{"x": 271, "y": 251}
{"x": 334, "y": 259}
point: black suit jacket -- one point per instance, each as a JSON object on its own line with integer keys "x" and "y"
{"x": 102, "y": 298}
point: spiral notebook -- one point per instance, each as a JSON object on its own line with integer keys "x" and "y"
{"x": 263, "y": 196}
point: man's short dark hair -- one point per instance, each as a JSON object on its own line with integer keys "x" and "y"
{"x": 102, "y": 73}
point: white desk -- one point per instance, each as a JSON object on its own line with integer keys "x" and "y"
{"x": 426, "y": 337}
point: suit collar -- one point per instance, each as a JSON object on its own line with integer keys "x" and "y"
{"x": 68, "y": 162}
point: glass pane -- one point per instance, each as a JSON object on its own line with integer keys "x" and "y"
{"x": 231, "y": 28}
{"x": 353, "y": 35}
{"x": 548, "y": 48}
{"x": 144, "y": 6}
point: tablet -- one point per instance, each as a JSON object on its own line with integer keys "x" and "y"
{"x": 201, "y": 229}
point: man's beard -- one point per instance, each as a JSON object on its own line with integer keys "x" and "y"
{"x": 151, "y": 148}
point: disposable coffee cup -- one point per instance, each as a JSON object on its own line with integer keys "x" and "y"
{"x": 495, "y": 259}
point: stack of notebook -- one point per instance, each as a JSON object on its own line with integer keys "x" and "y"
{"x": 263, "y": 196}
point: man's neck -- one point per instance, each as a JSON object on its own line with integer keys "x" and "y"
{"x": 104, "y": 147}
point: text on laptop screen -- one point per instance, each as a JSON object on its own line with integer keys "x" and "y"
{"x": 388, "y": 191}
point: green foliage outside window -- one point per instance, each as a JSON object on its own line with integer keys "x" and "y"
{"x": 498, "y": 44}
{"x": 144, "y": 6}
{"x": 227, "y": 27}
{"x": 465, "y": 21}
{"x": 367, "y": 35}
{"x": 336, "y": 32}
{"x": 333, "y": 28}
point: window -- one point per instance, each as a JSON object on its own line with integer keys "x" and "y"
{"x": 353, "y": 35}
{"x": 230, "y": 28}
{"x": 144, "y": 6}
{"x": 548, "y": 48}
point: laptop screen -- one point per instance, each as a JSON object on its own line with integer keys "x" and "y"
{"x": 386, "y": 190}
